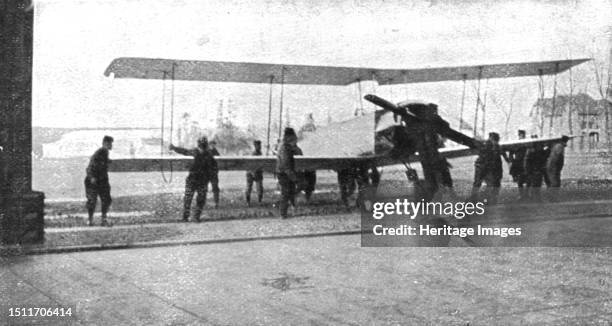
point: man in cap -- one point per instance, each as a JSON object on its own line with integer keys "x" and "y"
{"x": 285, "y": 169}
{"x": 255, "y": 176}
{"x": 517, "y": 167}
{"x": 554, "y": 165}
{"x": 488, "y": 168}
{"x": 96, "y": 181}
{"x": 214, "y": 180}
{"x": 201, "y": 172}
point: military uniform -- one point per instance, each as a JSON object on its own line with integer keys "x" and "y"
{"x": 535, "y": 162}
{"x": 214, "y": 177}
{"x": 255, "y": 176}
{"x": 96, "y": 183}
{"x": 306, "y": 180}
{"x": 356, "y": 178}
{"x": 201, "y": 171}
{"x": 374, "y": 176}
{"x": 287, "y": 177}
{"x": 488, "y": 168}
{"x": 554, "y": 165}
{"x": 517, "y": 170}
{"x": 346, "y": 183}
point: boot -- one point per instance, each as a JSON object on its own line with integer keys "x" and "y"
{"x": 105, "y": 221}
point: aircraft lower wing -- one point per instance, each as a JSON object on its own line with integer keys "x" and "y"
{"x": 268, "y": 163}
{"x": 238, "y": 163}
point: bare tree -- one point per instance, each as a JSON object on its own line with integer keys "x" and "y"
{"x": 506, "y": 109}
{"x": 570, "y": 107}
{"x": 604, "y": 75}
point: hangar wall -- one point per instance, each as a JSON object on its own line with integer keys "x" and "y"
{"x": 21, "y": 214}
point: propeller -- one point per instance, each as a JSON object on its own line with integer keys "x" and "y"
{"x": 440, "y": 125}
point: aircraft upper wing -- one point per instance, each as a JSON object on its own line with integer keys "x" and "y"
{"x": 268, "y": 163}
{"x": 249, "y": 72}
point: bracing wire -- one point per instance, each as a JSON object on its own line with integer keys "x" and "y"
{"x": 163, "y": 127}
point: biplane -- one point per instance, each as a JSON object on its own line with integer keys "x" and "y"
{"x": 382, "y": 122}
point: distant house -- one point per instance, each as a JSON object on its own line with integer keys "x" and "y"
{"x": 581, "y": 116}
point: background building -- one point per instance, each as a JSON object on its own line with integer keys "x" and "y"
{"x": 579, "y": 115}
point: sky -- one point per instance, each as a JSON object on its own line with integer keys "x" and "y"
{"x": 75, "y": 40}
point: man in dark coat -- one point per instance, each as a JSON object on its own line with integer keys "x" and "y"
{"x": 255, "y": 176}
{"x": 535, "y": 164}
{"x": 214, "y": 179}
{"x": 554, "y": 165}
{"x": 96, "y": 181}
{"x": 517, "y": 168}
{"x": 285, "y": 169}
{"x": 201, "y": 172}
{"x": 347, "y": 179}
{"x": 306, "y": 179}
{"x": 488, "y": 168}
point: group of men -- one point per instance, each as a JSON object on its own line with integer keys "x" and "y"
{"x": 204, "y": 171}
{"x": 529, "y": 168}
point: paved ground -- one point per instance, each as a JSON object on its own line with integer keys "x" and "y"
{"x": 190, "y": 274}
{"x": 567, "y": 224}
{"x": 316, "y": 281}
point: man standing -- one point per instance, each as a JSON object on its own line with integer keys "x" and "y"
{"x": 446, "y": 180}
{"x": 96, "y": 181}
{"x": 535, "y": 164}
{"x": 306, "y": 179}
{"x": 488, "y": 167}
{"x": 517, "y": 168}
{"x": 214, "y": 180}
{"x": 200, "y": 173}
{"x": 255, "y": 176}
{"x": 554, "y": 165}
{"x": 347, "y": 183}
{"x": 285, "y": 169}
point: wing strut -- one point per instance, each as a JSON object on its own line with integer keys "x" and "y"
{"x": 552, "y": 114}
{"x": 540, "y": 105}
{"x": 162, "y": 147}
{"x": 462, "y": 103}
{"x": 483, "y": 106}
{"x": 280, "y": 114}
{"x": 360, "y": 112}
{"x": 269, "y": 115}
{"x": 477, "y": 102}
